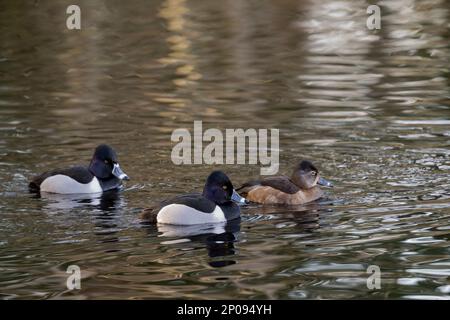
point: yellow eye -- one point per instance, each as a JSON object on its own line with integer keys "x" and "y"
{"x": 224, "y": 187}
{"x": 106, "y": 161}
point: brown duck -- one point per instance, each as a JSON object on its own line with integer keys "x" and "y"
{"x": 300, "y": 188}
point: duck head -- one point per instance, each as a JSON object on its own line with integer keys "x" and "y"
{"x": 306, "y": 176}
{"x": 104, "y": 164}
{"x": 219, "y": 189}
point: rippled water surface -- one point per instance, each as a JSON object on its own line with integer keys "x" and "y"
{"x": 370, "y": 108}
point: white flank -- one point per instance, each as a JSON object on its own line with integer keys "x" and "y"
{"x": 63, "y": 184}
{"x": 180, "y": 214}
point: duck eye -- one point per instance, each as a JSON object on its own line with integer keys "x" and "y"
{"x": 313, "y": 173}
{"x": 224, "y": 187}
{"x": 106, "y": 162}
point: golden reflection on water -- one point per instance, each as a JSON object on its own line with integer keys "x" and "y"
{"x": 175, "y": 13}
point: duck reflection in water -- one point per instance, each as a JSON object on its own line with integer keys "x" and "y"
{"x": 218, "y": 238}
{"x": 105, "y": 210}
{"x": 104, "y": 206}
{"x": 305, "y": 218}
{"x": 108, "y": 201}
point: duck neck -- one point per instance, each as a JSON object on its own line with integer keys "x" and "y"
{"x": 110, "y": 183}
{"x": 297, "y": 180}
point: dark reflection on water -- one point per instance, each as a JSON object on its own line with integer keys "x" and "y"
{"x": 218, "y": 239}
{"x": 370, "y": 108}
{"x": 107, "y": 202}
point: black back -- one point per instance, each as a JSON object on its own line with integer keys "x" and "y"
{"x": 194, "y": 200}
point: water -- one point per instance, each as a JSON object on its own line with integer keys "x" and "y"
{"x": 370, "y": 108}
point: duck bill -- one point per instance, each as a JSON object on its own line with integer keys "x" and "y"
{"x": 325, "y": 183}
{"x": 235, "y": 197}
{"x": 119, "y": 173}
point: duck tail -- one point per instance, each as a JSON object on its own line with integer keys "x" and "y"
{"x": 35, "y": 183}
{"x": 149, "y": 215}
{"x": 33, "y": 187}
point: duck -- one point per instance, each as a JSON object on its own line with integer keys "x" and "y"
{"x": 300, "y": 188}
{"x": 102, "y": 174}
{"x": 218, "y": 203}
